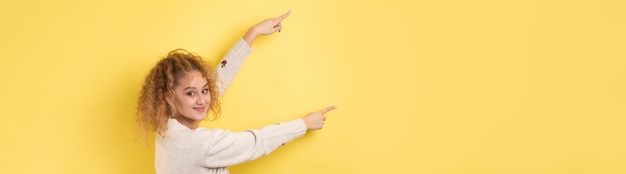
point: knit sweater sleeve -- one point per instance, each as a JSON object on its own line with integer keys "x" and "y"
{"x": 228, "y": 67}
{"x": 227, "y": 148}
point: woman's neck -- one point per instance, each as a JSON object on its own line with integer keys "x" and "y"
{"x": 189, "y": 123}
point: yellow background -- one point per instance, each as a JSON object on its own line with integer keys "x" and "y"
{"x": 437, "y": 87}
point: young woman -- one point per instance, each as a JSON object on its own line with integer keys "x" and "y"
{"x": 179, "y": 92}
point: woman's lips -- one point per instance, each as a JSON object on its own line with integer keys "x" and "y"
{"x": 200, "y": 109}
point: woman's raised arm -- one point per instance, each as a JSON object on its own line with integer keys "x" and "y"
{"x": 231, "y": 63}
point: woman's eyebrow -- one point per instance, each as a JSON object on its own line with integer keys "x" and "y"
{"x": 205, "y": 85}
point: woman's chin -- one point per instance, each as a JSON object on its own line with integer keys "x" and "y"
{"x": 199, "y": 118}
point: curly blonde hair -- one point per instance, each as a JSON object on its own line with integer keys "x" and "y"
{"x": 152, "y": 110}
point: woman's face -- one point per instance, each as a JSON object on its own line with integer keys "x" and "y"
{"x": 192, "y": 97}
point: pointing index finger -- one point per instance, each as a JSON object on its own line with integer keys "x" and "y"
{"x": 281, "y": 17}
{"x": 323, "y": 111}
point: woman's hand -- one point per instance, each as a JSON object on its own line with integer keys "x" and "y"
{"x": 316, "y": 120}
{"x": 265, "y": 27}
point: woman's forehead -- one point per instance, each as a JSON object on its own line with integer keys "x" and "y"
{"x": 192, "y": 79}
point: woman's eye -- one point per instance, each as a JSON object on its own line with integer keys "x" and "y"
{"x": 204, "y": 91}
{"x": 191, "y": 93}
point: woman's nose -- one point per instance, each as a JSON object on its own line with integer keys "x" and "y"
{"x": 201, "y": 99}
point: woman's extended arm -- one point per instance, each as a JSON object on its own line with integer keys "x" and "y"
{"x": 225, "y": 148}
{"x": 231, "y": 63}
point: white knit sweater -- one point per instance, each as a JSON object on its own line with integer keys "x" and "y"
{"x": 202, "y": 151}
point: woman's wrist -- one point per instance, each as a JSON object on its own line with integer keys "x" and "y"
{"x": 307, "y": 123}
{"x": 250, "y": 35}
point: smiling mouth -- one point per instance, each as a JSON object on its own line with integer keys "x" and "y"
{"x": 200, "y": 109}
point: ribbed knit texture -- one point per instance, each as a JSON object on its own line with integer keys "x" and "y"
{"x": 228, "y": 67}
{"x": 202, "y": 151}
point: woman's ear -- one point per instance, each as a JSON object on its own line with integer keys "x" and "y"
{"x": 169, "y": 98}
